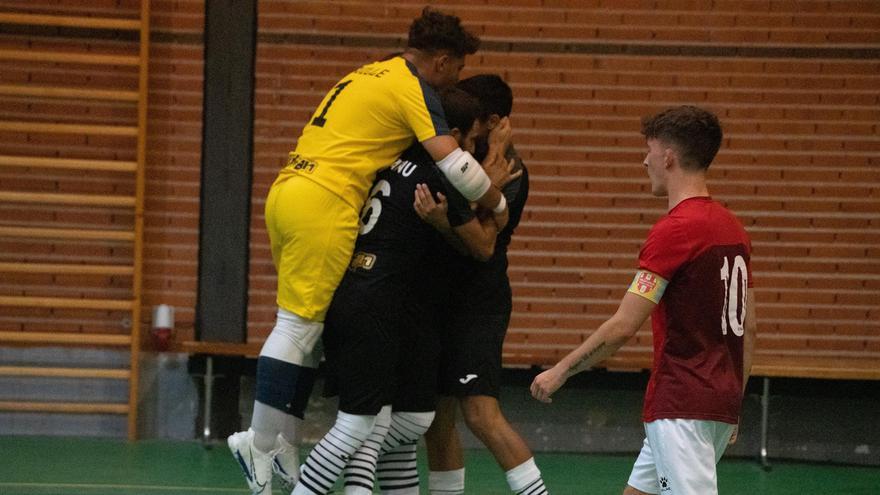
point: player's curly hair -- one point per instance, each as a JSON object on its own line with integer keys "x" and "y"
{"x": 694, "y": 132}
{"x": 434, "y": 31}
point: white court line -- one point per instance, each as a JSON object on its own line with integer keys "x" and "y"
{"x": 97, "y": 486}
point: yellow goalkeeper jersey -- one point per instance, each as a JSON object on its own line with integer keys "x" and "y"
{"x": 363, "y": 124}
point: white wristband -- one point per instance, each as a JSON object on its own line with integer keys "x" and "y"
{"x": 502, "y": 204}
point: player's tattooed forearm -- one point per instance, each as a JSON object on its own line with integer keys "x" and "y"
{"x": 576, "y": 366}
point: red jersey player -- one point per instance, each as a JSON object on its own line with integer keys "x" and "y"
{"x": 694, "y": 280}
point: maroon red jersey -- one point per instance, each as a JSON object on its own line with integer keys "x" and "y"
{"x": 703, "y": 253}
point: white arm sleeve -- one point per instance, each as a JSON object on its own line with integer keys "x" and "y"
{"x": 465, "y": 174}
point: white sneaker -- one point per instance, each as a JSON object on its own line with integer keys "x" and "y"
{"x": 257, "y": 466}
{"x": 285, "y": 464}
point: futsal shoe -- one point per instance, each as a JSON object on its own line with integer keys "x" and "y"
{"x": 285, "y": 464}
{"x": 257, "y": 466}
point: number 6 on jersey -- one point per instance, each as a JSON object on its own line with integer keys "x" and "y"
{"x": 373, "y": 206}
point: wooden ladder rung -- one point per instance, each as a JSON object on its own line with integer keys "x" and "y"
{"x": 75, "y": 338}
{"x": 218, "y": 348}
{"x": 66, "y": 92}
{"x": 69, "y": 21}
{"x": 69, "y": 57}
{"x": 81, "y": 234}
{"x": 65, "y": 407}
{"x": 66, "y": 302}
{"x": 66, "y": 269}
{"x": 40, "y": 371}
{"x": 53, "y": 128}
{"x": 67, "y": 163}
{"x": 67, "y": 199}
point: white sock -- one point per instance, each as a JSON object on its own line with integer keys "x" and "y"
{"x": 267, "y": 422}
{"x": 360, "y": 473}
{"x": 329, "y": 457}
{"x": 446, "y": 482}
{"x": 291, "y": 429}
{"x": 525, "y": 479}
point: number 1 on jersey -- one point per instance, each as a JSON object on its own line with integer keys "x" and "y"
{"x": 320, "y": 120}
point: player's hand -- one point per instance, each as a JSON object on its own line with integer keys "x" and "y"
{"x": 734, "y": 435}
{"x": 500, "y": 135}
{"x": 501, "y": 171}
{"x": 430, "y": 211}
{"x": 547, "y": 383}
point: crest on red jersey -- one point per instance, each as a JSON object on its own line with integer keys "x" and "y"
{"x": 647, "y": 282}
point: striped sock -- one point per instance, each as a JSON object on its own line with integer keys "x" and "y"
{"x": 360, "y": 472}
{"x": 397, "y": 469}
{"x": 398, "y": 472}
{"x": 525, "y": 479}
{"x": 329, "y": 457}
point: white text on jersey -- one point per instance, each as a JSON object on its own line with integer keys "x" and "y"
{"x": 404, "y": 167}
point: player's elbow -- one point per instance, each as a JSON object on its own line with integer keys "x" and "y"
{"x": 483, "y": 252}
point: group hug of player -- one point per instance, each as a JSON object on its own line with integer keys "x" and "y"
{"x": 389, "y": 230}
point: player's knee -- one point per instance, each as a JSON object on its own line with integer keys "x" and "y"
{"x": 444, "y": 414}
{"x": 481, "y": 413}
{"x": 411, "y": 425}
{"x": 294, "y": 340}
{"x": 356, "y": 426}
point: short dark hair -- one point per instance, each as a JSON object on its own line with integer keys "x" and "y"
{"x": 494, "y": 94}
{"x": 461, "y": 109}
{"x": 434, "y": 31}
{"x": 694, "y": 132}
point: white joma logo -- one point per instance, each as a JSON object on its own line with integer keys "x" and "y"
{"x": 467, "y": 378}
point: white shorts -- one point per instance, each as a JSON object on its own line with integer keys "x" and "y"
{"x": 679, "y": 457}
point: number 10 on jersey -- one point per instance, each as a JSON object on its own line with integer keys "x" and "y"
{"x": 735, "y": 280}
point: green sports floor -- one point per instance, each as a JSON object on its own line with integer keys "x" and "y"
{"x": 72, "y": 466}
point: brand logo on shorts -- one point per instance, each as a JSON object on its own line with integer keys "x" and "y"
{"x": 664, "y": 484}
{"x": 362, "y": 260}
{"x": 464, "y": 167}
{"x": 467, "y": 378}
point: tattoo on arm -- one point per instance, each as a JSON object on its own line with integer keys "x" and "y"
{"x": 576, "y": 366}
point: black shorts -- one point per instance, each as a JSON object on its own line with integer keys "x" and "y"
{"x": 416, "y": 377}
{"x": 379, "y": 354}
{"x": 470, "y": 363}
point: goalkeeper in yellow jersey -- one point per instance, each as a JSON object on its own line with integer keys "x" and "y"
{"x": 362, "y": 125}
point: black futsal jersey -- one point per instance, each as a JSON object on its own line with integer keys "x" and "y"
{"x": 379, "y": 339}
{"x": 392, "y": 254}
{"x": 483, "y": 286}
